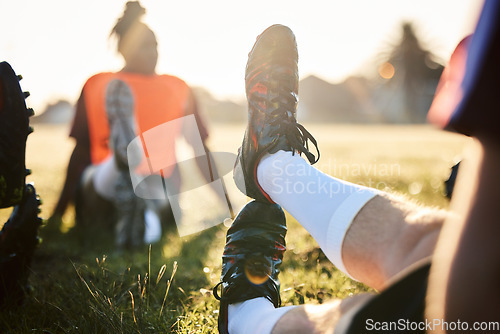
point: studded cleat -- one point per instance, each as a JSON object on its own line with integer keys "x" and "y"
{"x": 271, "y": 81}
{"x": 120, "y": 112}
{"x": 254, "y": 249}
{"x": 129, "y": 207}
{"x": 14, "y": 130}
{"x": 18, "y": 240}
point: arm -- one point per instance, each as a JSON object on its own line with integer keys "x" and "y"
{"x": 79, "y": 160}
{"x": 203, "y": 163}
{"x": 466, "y": 271}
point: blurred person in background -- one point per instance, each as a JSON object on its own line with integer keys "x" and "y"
{"x": 112, "y": 110}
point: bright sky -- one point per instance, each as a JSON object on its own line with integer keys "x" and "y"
{"x": 57, "y": 44}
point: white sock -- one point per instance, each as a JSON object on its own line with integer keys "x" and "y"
{"x": 152, "y": 227}
{"x": 253, "y": 316}
{"x": 323, "y": 205}
{"x": 106, "y": 174}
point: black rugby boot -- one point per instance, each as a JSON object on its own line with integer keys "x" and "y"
{"x": 254, "y": 249}
{"x": 271, "y": 81}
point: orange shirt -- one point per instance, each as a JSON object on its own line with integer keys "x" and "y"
{"x": 157, "y": 100}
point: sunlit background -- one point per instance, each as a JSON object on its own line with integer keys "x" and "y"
{"x": 355, "y": 67}
{"x": 58, "y": 44}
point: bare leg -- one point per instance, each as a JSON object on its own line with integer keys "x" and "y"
{"x": 410, "y": 234}
{"x": 387, "y": 236}
{"x": 370, "y": 235}
{"x": 316, "y": 318}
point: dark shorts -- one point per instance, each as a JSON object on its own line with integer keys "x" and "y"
{"x": 398, "y": 309}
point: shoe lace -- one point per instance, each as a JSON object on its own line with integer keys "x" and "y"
{"x": 215, "y": 291}
{"x": 221, "y": 297}
{"x": 297, "y": 135}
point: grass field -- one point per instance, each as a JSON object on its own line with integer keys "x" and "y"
{"x": 81, "y": 284}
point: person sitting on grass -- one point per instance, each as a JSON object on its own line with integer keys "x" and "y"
{"x": 112, "y": 110}
{"x": 425, "y": 262}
